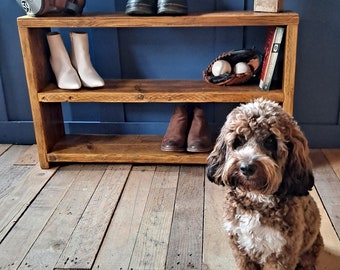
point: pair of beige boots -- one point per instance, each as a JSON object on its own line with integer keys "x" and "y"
{"x": 74, "y": 70}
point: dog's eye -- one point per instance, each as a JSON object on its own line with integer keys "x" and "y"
{"x": 270, "y": 143}
{"x": 239, "y": 141}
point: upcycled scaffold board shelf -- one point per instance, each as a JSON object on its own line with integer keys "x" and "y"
{"x": 54, "y": 146}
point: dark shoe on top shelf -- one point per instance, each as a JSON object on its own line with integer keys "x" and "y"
{"x": 172, "y": 7}
{"x": 199, "y": 139}
{"x": 141, "y": 7}
{"x": 175, "y": 136}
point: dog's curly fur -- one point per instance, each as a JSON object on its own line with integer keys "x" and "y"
{"x": 262, "y": 158}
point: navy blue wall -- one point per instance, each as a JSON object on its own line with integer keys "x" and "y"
{"x": 178, "y": 53}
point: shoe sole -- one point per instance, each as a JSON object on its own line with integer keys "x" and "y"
{"x": 172, "y": 149}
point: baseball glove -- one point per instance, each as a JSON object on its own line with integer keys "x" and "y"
{"x": 249, "y": 56}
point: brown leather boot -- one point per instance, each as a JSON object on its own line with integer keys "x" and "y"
{"x": 199, "y": 138}
{"x": 175, "y": 136}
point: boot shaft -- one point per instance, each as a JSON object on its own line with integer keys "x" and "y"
{"x": 81, "y": 60}
{"x": 56, "y": 45}
{"x": 66, "y": 75}
{"x": 199, "y": 138}
{"x": 175, "y": 136}
{"x": 179, "y": 120}
{"x": 80, "y": 48}
{"x": 199, "y": 123}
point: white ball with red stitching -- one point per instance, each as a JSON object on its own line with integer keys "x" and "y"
{"x": 241, "y": 68}
{"x": 220, "y": 67}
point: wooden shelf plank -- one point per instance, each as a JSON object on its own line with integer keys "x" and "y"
{"x": 119, "y": 149}
{"x": 223, "y": 18}
{"x": 145, "y": 91}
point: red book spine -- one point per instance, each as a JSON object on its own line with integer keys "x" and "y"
{"x": 273, "y": 57}
{"x": 266, "y": 52}
{"x": 271, "y": 60}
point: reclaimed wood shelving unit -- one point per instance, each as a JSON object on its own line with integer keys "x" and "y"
{"x": 54, "y": 146}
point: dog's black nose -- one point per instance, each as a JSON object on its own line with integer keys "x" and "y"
{"x": 248, "y": 169}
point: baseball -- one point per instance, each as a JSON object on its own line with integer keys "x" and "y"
{"x": 241, "y": 67}
{"x": 220, "y": 67}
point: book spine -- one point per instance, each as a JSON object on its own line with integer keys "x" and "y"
{"x": 266, "y": 52}
{"x": 265, "y": 85}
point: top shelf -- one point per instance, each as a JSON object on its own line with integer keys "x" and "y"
{"x": 213, "y": 19}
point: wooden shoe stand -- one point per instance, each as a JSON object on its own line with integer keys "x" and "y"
{"x": 54, "y": 146}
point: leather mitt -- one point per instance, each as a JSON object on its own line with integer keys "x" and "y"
{"x": 249, "y": 56}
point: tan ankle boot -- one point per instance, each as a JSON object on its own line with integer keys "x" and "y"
{"x": 80, "y": 58}
{"x": 175, "y": 136}
{"x": 67, "y": 77}
{"x": 199, "y": 139}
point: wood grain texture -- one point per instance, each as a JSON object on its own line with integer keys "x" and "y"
{"x": 289, "y": 67}
{"x": 170, "y": 91}
{"x": 119, "y": 149}
{"x": 222, "y": 18}
{"x": 47, "y": 120}
{"x": 120, "y": 239}
{"x": 186, "y": 238}
{"x": 4, "y": 147}
{"x": 333, "y": 156}
{"x": 217, "y": 254}
{"x": 14, "y": 203}
{"x": 327, "y": 184}
{"x": 10, "y": 174}
{"x": 151, "y": 213}
{"x": 330, "y": 256}
{"x": 32, "y": 222}
{"x": 82, "y": 248}
{"x": 48, "y": 247}
{"x": 152, "y": 242}
{"x": 30, "y": 157}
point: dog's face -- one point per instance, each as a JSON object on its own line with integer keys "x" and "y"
{"x": 261, "y": 149}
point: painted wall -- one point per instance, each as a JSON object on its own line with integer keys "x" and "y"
{"x": 178, "y": 53}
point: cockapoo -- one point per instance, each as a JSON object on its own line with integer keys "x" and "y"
{"x": 262, "y": 158}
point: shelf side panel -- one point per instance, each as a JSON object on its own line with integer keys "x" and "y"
{"x": 47, "y": 119}
{"x": 288, "y": 82}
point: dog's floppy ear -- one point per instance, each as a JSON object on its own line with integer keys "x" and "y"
{"x": 298, "y": 176}
{"x": 216, "y": 161}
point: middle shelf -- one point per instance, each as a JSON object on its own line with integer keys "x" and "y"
{"x": 166, "y": 91}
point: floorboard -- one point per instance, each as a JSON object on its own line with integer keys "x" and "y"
{"x": 51, "y": 242}
{"x": 216, "y": 252}
{"x": 152, "y": 240}
{"x": 81, "y": 250}
{"x": 101, "y": 216}
{"x": 15, "y": 202}
{"x": 185, "y": 243}
{"x": 120, "y": 239}
{"x": 3, "y": 148}
{"x": 328, "y": 185}
{"x": 23, "y": 235}
{"x": 332, "y": 156}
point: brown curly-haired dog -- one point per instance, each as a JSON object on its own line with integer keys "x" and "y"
{"x": 262, "y": 158}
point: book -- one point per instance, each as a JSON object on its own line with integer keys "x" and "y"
{"x": 271, "y": 51}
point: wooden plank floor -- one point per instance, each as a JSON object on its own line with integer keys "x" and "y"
{"x": 108, "y": 216}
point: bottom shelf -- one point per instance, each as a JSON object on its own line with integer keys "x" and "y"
{"x": 119, "y": 149}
